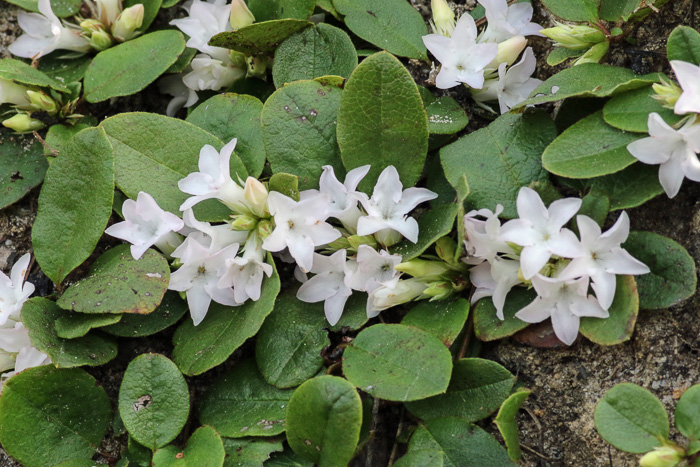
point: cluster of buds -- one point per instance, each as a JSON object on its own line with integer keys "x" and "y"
{"x": 32, "y": 108}
{"x": 485, "y": 62}
{"x": 111, "y": 23}
{"x": 590, "y": 43}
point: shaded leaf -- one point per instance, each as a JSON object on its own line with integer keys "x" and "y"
{"x": 22, "y": 167}
{"x": 619, "y": 326}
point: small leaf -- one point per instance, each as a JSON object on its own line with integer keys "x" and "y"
{"x": 265, "y": 10}
{"x": 74, "y": 325}
{"x": 672, "y": 276}
{"x": 21, "y": 73}
{"x": 688, "y": 413}
{"x": 444, "y": 319}
{"x": 66, "y": 71}
{"x": 284, "y": 183}
{"x": 44, "y": 406}
{"x": 259, "y": 38}
{"x": 589, "y": 148}
{"x": 120, "y": 284}
{"x": 397, "y": 363}
{"x": 169, "y": 312}
{"x": 323, "y": 420}
{"x": 432, "y": 225}
{"x": 317, "y": 51}
{"x": 684, "y": 44}
{"x": 507, "y": 424}
{"x": 574, "y": 10}
{"x": 204, "y": 448}
{"x": 382, "y": 121}
{"x": 75, "y": 204}
{"x": 631, "y": 418}
{"x": 422, "y": 457}
{"x": 288, "y": 346}
{"x": 249, "y": 451}
{"x": 392, "y": 25}
{"x": 131, "y": 66}
{"x": 477, "y": 389}
{"x": 154, "y": 401}
{"x": 615, "y": 10}
{"x": 488, "y": 327}
{"x": 619, "y": 326}
{"x": 22, "y": 167}
{"x": 631, "y": 187}
{"x": 560, "y": 54}
{"x": 445, "y": 116}
{"x": 630, "y": 110}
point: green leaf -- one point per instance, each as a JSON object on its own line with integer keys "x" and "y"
{"x": 619, "y": 326}
{"x": 59, "y": 136}
{"x": 615, "y": 10}
{"x": 444, "y": 319}
{"x": 422, "y": 457}
{"x": 131, "y": 66}
{"x": 508, "y": 425}
{"x": 60, "y": 8}
{"x": 589, "y": 148}
{"x": 153, "y": 152}
{"x": 21, "y": 73}
{"x": 500, "y": 159}
{"x": 73, "y": 325}
{"x": 255, "y": 87}
{"x": 120, "y": 284}
{"x": 588, "y": 80}
{"x": 241, "y": 403}
{"x": 432, "y": 225}
{"x": 631, "y": 187}
{"x": 688, "y": 413}
{"x": 298, "y": 128}
{"x": 154, "y": 401}
{"x": 265, "y": 10}
{"x": 445, "y": 116}
{"x": 630, "y": 110}
{"x": 249, "y": 451}
{"x": 66, "y": 71}
{"x": 462, "y": 444}
{"x": 183, "y": 61}
{"x": 631, "y": 418}
{"x": 323, "y": 420}
{"x": 382, "y": 121}
{"x": 488, "y": 327}
{"x": 75, "y": 204}
{"x": 288, "y": 458}
{"x": 198, "y": 349}
{"x": 136, "y": 453}
{"x": 169, "y": 312}
{"x": 317, "y": 51}
{"x": 574, "y": 10}
{"x": 259, "y": 38}
{"x": 392, "y": 25}
{"x": 596, "y": 205}
{"x": 673, "y": 276}
{"x": 229, "y": 116}
{"x": 286, "y": 184}
{"x": 397, "y": 363}
{"x": 204, "y": 448}
{"x": 288, "y": 346}
{"x": 684, "y": 44}
{"x": 560, "y": 54}
{"x": 22, "y": 167}
{"x": 477, "y": 389}
{"x": 45, "y": 407}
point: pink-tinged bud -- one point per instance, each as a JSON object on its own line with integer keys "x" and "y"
{"x": 240, "y": 15}
{"x": 23, "y": 123}
{"x": 124, "y": 28}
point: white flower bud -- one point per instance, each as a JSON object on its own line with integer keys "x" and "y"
{"x": 12, "y": 93}
{"x": 101, "y": 40}
{"x": 255, "y": 194}
{"x": 108, "y": 10}
{"x": 443, "y": 22}
{"x": 577, "y": 37}
{"x": 42, "y": 102}
{"x": 23, "y": 123}
{"x": 125, "y": 26}
{"x": 508, "y": 52}
{"x": 240, "y": 15}
{"x": 663, "y": 456}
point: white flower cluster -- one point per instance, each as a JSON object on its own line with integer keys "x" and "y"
{"x": 536, "y": 250}
{"x": 17, "y": 352}
{"x": 226, "y": 263}
{"x": 675, "y": 151}
{"x": 485, "y": 62}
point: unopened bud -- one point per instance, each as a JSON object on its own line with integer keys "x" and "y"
{"x": 101, "y": 40}
{"x": 240, "y": 15}
{"x": 255, "y": 194}
{"x": 667, "y": 93}
{"x": 424, "y": 269}
{"x": 265, "y": 228}
{"x": 124, "y": 28}
{"x": 23, "y": 123}
{"x": 577, "y": 37}
{"x": 90, "y": 26}
{"x": 663, "y": 456}
{"x": 42, "y": 102}
{"x": 595, "y": 54}
{"x": 508, "y": 52}
{"x": 340, "y": 243}
{"x": 443, "y": 22}
{"x": 357, "y": 240}
{"x": 243, "y": 222}
{"x": 257, "y": 66}
{"x": 108, "y": 10}
{"x": 388, "y": 237}
{"x": 439, "y": 290}
{"x": 446, "y": 249}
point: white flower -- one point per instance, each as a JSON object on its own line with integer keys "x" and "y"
{"x": 604, "y": 258}
{"x": 182, "y": 95}
{"x": 539, "y": 230}
{"x": 390, "y": 204}
{"x": 513, "y": 86}
{"x": 328, "y": 285}
{"x": 299, "y": 226}
{"x": 245, "y": 273}
{"x": 211, "y": 73}
{"x": 213, "y": 179}
{"x": 343, "y": 196}
{"x": 675, "y": 150}
{"x": 506, "y": 21}
{"x": 565, "y": 302}
{"x": 146, "y": 224}
{"x": 370, "y": 269}
{"x": 206, "y": 19}
{"x": 392, "y": 293}
{"x": 688, "y": 76}
{"x": 44, "y": 33}
{"x": 495, "y": 279}
{"x": 483, "y": 237}
{"x": 17, "y": 351}
{"x": 14, "y": 291}
{"x": 462, "y": 59}
{"x": 217, "y": 237}
{"x": 12, "y": 93}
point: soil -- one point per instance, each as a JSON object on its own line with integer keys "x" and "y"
{"x": 556, "y": 427}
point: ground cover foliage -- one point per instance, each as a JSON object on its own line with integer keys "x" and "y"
{"x": 270, "y": 379}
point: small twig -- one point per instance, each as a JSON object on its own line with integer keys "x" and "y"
{"x": 395, "y": 448}
{"x": 541, "y": 456}
{"x": 372, "y": 431}
{"x": 468, "y": 331}
{"x": 44, "y": 143}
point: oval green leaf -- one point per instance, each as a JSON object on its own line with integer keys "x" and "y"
{"x": 619, "y": 326}
{"x": 444, "y": 319}
{"x": 684, "y": 44}
{"x": 266, "y": 10}
{"x": 204, "y": 449}
{"x": 22, "y": 167}
{"x": 323, "y": 421}
{"x": 630, "y": 187}
{"x": 60, "y": 8}
{"x": 259, "y": 38}
{"x": 249, "y": 451}
{"x": 615, "y": 10}
{"x": 398, "y": 363}
{"x": 169, "y": 312}
{"x": 574, "y": 10}
{"x": 22, "y": 73}
{"x": 688, "y": 413}
{"x": 154, "y": 401}
{"x": 508, "y": 425}
{"x": 73, "y": 325}
{"x": 630, "y": 110}
{"x": 66, "y": 71}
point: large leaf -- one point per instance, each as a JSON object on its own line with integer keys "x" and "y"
{"x": 574, "y": 10}
{"x": 631, "y": 187}
{"x": 154, "y": 401}
{"x": 259, "y": 38}
{"x": 397, "y": 362}
{"x": 443, "y": 318}
{"x": 619, "y": 326}
{"x": 615, "y": 10}
{"x": 684, "y": 44}
{"x": 75, "y": 204}
{"x": 382, "y": 121}
{"x": 22, "y": 73}
{"x": 500, "y": 159}
{"x": 241, "y": 403}
{"x": 630, "y": 418}
{"x": 120, "y": 284}
{"x": 22, "y": 167}
{"x": 392, "y": 25}
{"x": 60, "y": 8}
{"x": 200, "y": 348}
{"x": 44, "y": 406}
{"x": 131, "y": 66}
{"x": 298, "y": 128}
{"x": 169, "y": 312}
{"x": 318, "y": 51}
{"x": 630, "y": 110}
{"x": 204, "y": 448}
{"x": 265, "y": 10}
{"x": 324, "y": 419}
